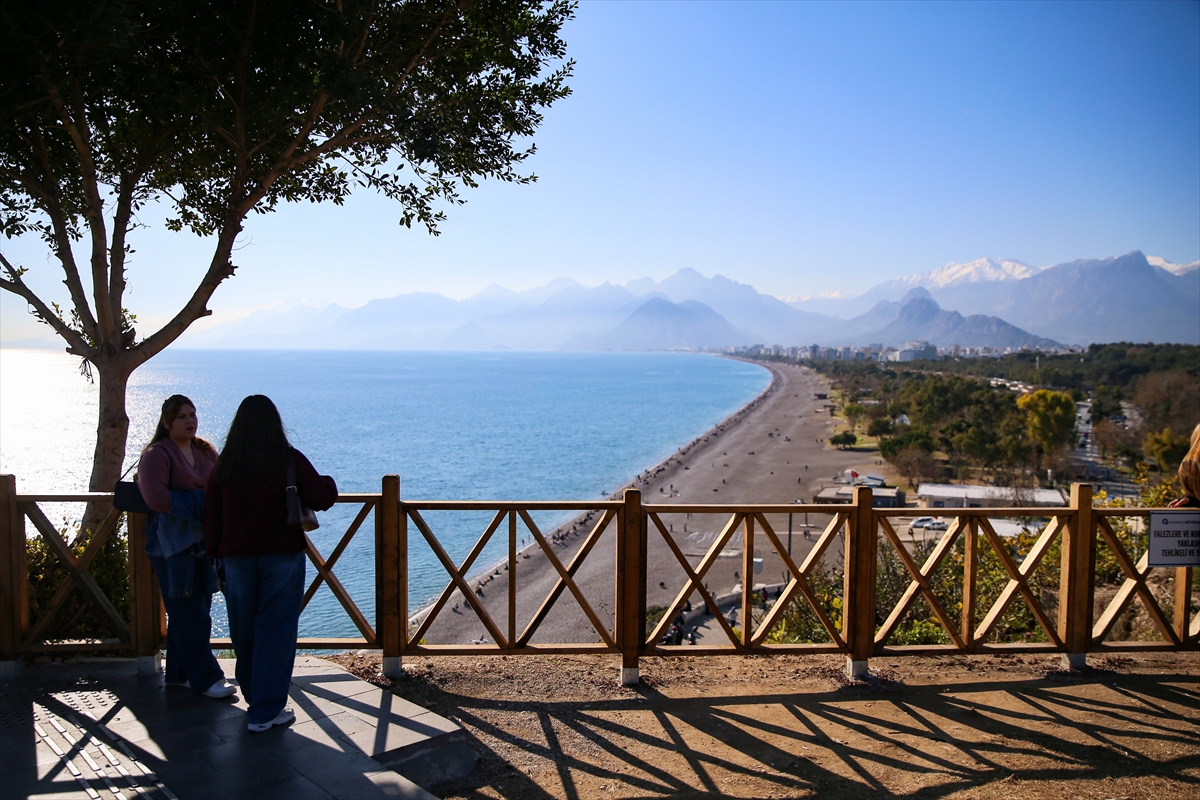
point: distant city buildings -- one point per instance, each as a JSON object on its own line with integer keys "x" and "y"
{"x": 909, "y": 351}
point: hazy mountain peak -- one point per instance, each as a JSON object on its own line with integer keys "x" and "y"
{"x": 490, "y": 291}
{"x": 915, "y": 293}
{"x": 642, "y": 286}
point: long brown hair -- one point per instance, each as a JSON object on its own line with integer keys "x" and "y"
{"x": 170, "y": 410}
{"x": 1189, "y": 468}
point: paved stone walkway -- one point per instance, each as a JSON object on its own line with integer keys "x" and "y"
{"x": 95, "y": 729}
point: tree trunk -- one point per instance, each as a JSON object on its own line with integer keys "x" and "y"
{"x": 112, "y": 428}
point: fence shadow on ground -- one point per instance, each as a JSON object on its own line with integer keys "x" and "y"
{"x": 917, "y": 742}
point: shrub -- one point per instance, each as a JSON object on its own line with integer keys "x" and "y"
{"x": 78, "y": 618}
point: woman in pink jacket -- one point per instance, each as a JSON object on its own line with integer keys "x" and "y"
{"x": 172, "y": 475}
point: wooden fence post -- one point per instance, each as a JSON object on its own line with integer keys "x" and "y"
{"x": 970, "y": 585}
{"x": 1076, "y": 586}
{"x": 14, "y": 581}
{"x": 1183, "y": 602}
{"x": 146, "y": 612}
{"x": 747, "y": 619}
{"x": 391, "y": 566}
{"x": 858, "y": 590}
{"x": 630, "y": 616}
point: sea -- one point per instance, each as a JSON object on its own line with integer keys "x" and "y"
{"x": 452, "y": 425}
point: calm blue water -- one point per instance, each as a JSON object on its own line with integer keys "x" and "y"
{"x": 457, "y": 426}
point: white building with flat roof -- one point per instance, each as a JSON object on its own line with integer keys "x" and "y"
{"x": 947, "y": 495}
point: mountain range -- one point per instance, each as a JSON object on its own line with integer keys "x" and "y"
{"x": 997, "y": 303}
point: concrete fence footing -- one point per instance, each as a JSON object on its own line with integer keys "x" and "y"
{"x": 1074, "y": 660}
{"x": 149, "y": 665}
{"x": 857, "y": 669}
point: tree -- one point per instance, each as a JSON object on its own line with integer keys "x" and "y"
{"x": 1166, "y": 449}
{"x": 843, "y": 440}
{"x": 910, "y": 438}
{"x": 853, "y": 413}
{"x": 1117, "y": 440}
{"x": 880, "y": 426}
{"x": 1169, "y": 400}
{"x": 914, "y": 463}
{"x": 1049, "y": 418}
{"x": 220, "y": 109}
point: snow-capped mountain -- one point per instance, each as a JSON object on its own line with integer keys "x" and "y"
{"x": 1124, "y": 298}
{"x": 978, "y": 271}
{"x": 1174, "y": 269}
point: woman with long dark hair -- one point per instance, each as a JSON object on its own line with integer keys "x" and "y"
{"x": 172, "y": 474}
{"x": 261, "y": 555}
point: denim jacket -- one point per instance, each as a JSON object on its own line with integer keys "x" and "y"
{"x": 178, "y": 537}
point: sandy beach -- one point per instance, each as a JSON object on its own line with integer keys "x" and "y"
{"x": 770, "y": 451}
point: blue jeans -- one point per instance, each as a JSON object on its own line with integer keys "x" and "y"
{"x": 263, "y": 594}
{"x": 189, "y": 626}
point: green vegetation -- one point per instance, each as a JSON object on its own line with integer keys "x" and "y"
{"x": 799, "y": 624}
{"x": 843, "y": 440}
{"x": 215, "y": 112}
{"x": 78, "y": 618}
{"x": 1119, "y": 365}
{"x": 944, "y": 418}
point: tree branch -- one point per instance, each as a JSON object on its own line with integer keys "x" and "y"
{"x": 116, "y": 256}
{"x": 52, "y": 205}
{"x": 77, "y": 129}
{"x": 219, "y": 269}
{"x": 77, "y": 344}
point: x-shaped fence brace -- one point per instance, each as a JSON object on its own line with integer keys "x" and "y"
{"x": 1018, "y": 582}
{"x": 566, "y": 578}
{"x": 920, "y": 583}
{"x": 798, "y": 583}
{"x": 1135, "y": 582}
{"x": 325, "y": 574}
{"x": 78, "y": 575}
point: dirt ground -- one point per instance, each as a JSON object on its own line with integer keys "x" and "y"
{"x": 1004, "y": 727}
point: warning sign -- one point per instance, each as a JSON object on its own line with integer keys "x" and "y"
{"x": 1175, "y": 539}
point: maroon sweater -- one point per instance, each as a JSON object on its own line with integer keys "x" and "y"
{"x": 250, "y": 519}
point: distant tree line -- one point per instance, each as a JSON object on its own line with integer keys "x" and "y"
{"x": 1159, "y": 384}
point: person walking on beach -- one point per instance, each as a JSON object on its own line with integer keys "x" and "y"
{"x": 171, "y": 476}
{"x": 261, "y": 555}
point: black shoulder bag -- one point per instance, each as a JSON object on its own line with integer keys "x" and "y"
{"x": 128, "y": 497}
{"x": 298, "y": 513}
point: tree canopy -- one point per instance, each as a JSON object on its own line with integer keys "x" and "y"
{"x": 1050, "y": 417}
{"x": 220, "y": 109}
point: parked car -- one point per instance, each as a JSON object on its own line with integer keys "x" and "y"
{"x": 937, "y": 525}
{"x": 920, "y": 522}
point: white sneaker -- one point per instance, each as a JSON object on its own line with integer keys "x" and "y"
{"x": 286, "y": 717}
{"x": 221, "y": 689}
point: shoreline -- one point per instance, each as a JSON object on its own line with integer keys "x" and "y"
{"x": 771, "y": 450}
{"x": 418, "y": 616}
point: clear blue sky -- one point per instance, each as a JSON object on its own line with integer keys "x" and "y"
{"x": 799, "y": 147}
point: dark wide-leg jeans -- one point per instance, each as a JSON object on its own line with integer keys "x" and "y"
{"x": 263, "y": 594}
{"x": 189, "y": 628}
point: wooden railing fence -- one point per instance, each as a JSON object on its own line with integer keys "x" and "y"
{"x": 865, "y": 629}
